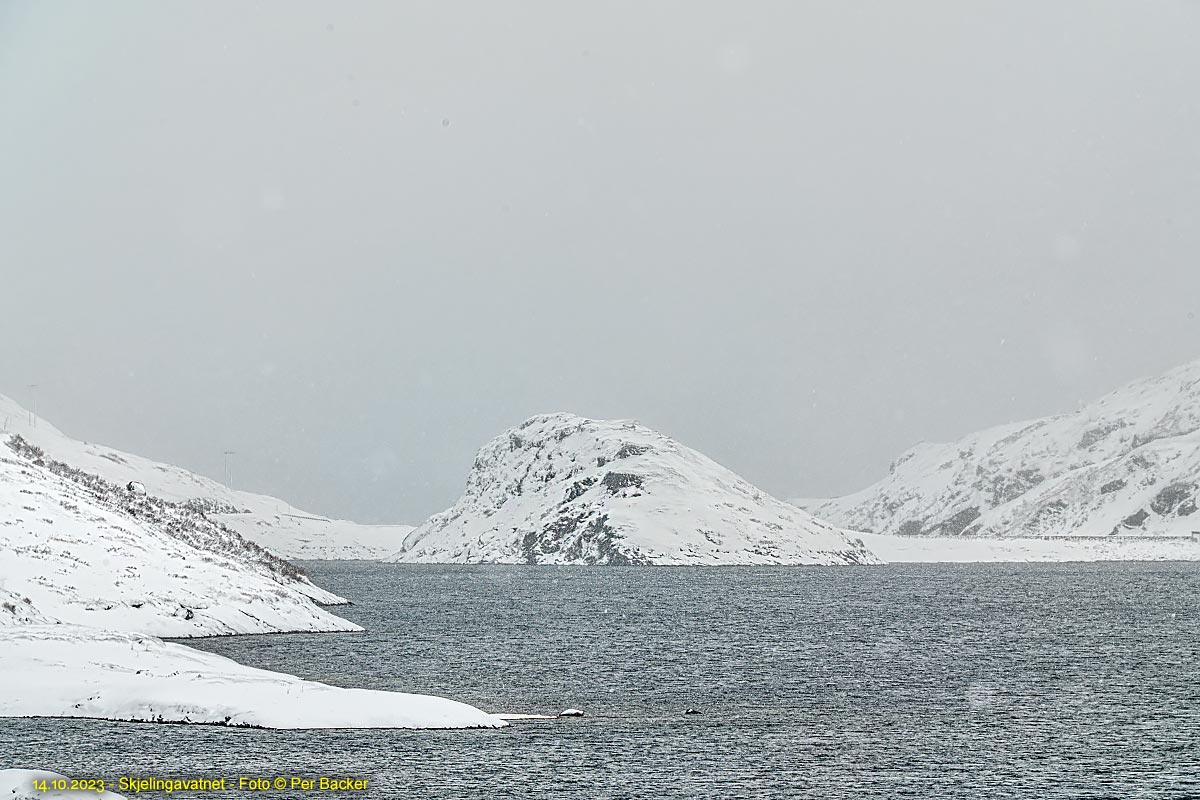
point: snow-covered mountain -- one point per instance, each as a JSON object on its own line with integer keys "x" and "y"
{"x": 75, "y": 548}
{"x": 284, "y": 530}
{"x": 1127, "y": 464}
{"x": 560, "y": 489}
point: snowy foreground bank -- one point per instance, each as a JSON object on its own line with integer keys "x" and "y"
{"x": 17, "y": 784}
{"x": 938, "y": 549}
{"x": 73, "y": 671}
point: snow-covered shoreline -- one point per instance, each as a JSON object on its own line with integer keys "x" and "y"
{"x": 966, "y": 550}
{"x": 93, "y": 569}
{"x": 74, "y": 671}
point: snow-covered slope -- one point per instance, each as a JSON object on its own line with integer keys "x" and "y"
{"x": 92, "y": 570}
{"x": 17, "y": 609}
{"x": 1127, "y": 464}
{"x": 76, "y": 549}
{"x": 560, "y": 489}
{"x": 70, "y": 671}
{"x": 268, "y": 521}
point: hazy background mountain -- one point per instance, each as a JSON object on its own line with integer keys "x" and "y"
{"x": 352, "y": 241}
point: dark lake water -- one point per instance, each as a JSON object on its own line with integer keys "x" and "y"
{"x": 920, "y": 681}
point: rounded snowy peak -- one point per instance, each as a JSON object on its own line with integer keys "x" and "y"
{"x": 564, "y": 489}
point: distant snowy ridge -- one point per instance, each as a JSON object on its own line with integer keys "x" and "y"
{"x": 1125, "y": 465}
{"x": 284, "y": 530}
{"x": 561, "y": 489}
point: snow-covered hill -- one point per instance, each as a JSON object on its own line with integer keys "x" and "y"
{"x": 560, "y": 489}
{"x": 268, "y": 521}
{"x": 1127, "y": 464}
{"x": 76, "y": 549}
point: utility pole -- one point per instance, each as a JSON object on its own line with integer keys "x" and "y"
{"x": 33, "y": 416}
{"x": 228, "y": 479}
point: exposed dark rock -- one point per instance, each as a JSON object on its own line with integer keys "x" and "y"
{"x": 616, "y": 481}
{"x": 629, "y": 449}
{"x": 1100, "y": 432}
{"x": 1113, "y": 486}
{"x": 577, "y": 489}
{"x": 1046, "y": 515}
{"x": 1136, "y": 520}
{"x": 1010, "y": 487}
{"x": 1178, "y": 498}
{"x": 207, "y": 505}
{"x": 956, "y": 524}
{"x": 580, "y": 536}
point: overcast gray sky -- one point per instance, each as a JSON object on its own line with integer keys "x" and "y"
{"x": 354, "y": 241}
